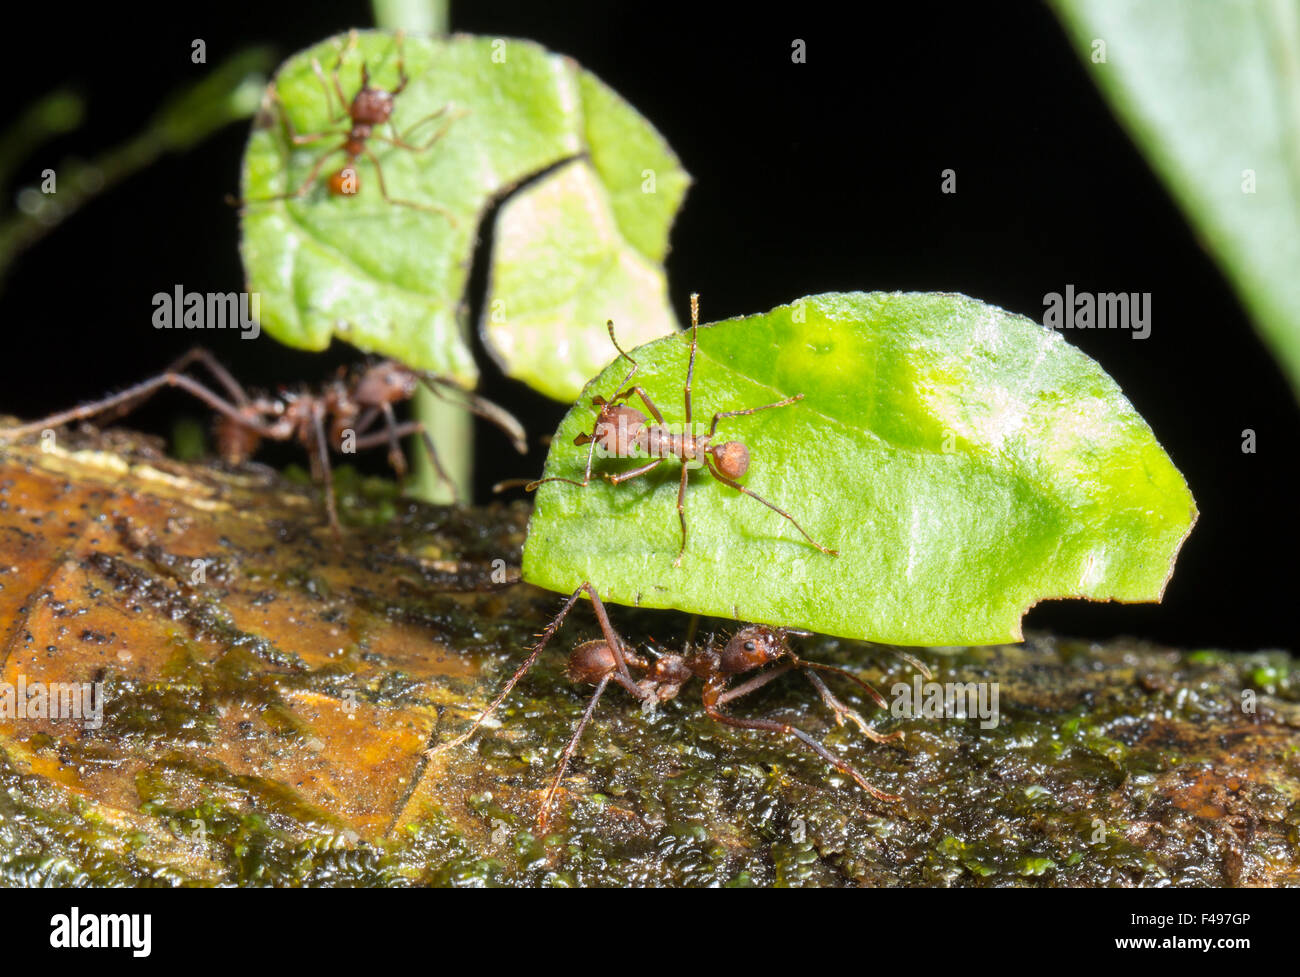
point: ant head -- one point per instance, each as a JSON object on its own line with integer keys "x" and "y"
{"x": 371, "y": 106}
{"x": 753, "y": 646}
{"x": 385, "y": 383}
{"x": 591, "y": 661}
{"x": 617, "y": 427}
{"x": 731, "y": 457}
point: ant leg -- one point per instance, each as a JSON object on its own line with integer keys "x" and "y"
{"x": 302, "y": 190}
{"x": 437, "y": 463}
{"x": 494, "y": 414}
{"x": 866, "y": 687}
{"x": 645, "y": 399}
{"x": 681, "y": 513}
{"x": 365, "y": 421}
{"x": 586, "y": 478}
{"x": 915, "y": 662}
{"x": 543, "y": 819}
{"x": 396, "y": 457}
{"x": 695, "y": 344}
{"x": 395, "y": 431}
{"x": 616, "y": 479}
{"x": 334, "y": 74}
{"x": 402, "y": 140}
{"x": 306, "y": 138}
{"x": 611, "y": 637}
{"x": 753, "y": 684}
{"x": 383, "y": 191}
{"x": 627, "y": 476}
{"x": 772, "y": 726}
{"x": 402, "y": 79}
{"x": 723, "y": 415}
{"x": 609, "y": 325}
{"x": 223, "y": 376}
{"x": 138, "y": 393}
{"x": 708, "y": 462}
{"x": 198, "y": 354}
{"x": 327, "y": 473}
{"x": 336, "y": 114}
{"x": 843, "y": 712}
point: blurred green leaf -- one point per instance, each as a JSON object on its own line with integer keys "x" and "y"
{"x": 230, "y": 91}
{"x": 391, "y": 279}
{"x": 965, "y": 462}
{"x": 1210, "y": 91}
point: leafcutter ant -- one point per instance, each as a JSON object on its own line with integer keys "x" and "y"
{"x": 369, "y": 109}
{"x": 753, "y": 647}
{"x": 622, "y": 431}
{"x": 344, "y": 414}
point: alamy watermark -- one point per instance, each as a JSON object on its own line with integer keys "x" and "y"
{"x": 1098, "y": 310}
{"x": 946, "y": 700}
{"x": 179, "y": 309}
{"x": 83, "y": 701}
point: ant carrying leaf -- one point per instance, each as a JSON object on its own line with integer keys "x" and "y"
{"x": 753, "y": 648}
{"x": 965, "y": 462}
{"x": 365, "y": 113}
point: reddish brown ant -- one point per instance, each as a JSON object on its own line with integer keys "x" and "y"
{"x": 367, "y": 110}
{"x": 754, "y": 646}
{"x": 353, "y": 403}
{"x": 621, "y": 431}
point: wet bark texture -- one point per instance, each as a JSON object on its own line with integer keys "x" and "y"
{"x": 265, "y": 720}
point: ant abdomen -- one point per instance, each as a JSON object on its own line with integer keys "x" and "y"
{"x": 590, "y": 662}
{"x": 345, "y": 182}
{"x": 236, "y": 442}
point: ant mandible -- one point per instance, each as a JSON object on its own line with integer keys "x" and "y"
{"x": 354, "y": 402}
{"x": 753, "y": 647}
{"x": 365, "y": 112}
{"x": 621, "y": 431}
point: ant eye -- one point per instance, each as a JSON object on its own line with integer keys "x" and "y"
{"x": 749, "y": 646}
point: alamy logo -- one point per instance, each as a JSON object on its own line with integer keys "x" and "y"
{"x": 179, "y": 309}
{"x": 946, "y": 700}
{"x": 82, "y": 701}
{"x": 1098, "y": 310}
{"x": 97, "y": 931}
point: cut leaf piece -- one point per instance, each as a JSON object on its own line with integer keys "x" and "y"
{"x": 390, "y": 278}
{"x": 965, "y": 462}
{"x": 560, "y": 269}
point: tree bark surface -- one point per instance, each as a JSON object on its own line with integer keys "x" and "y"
{"x": 269, "y": 693}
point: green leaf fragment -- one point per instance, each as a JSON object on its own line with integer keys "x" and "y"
{"x": 965, "y": 462}
{"x": 391, "y": 278}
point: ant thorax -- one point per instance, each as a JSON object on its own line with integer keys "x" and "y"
{"x": 371, "y": 107}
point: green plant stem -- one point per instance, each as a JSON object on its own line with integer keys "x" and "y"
{"x": 450, "y": 426}
{"x": 429, "y": 17}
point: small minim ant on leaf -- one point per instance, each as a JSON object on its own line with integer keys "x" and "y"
{"x": 368, "y": 110}
{"x": 622, "y": 431}
{"x": 755, "y": 646}
{"x": 357, "y": 402}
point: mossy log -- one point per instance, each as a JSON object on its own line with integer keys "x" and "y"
{"x": 269, "y": 693}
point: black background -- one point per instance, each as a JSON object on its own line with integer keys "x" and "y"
{"x": 808, "y": 178}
